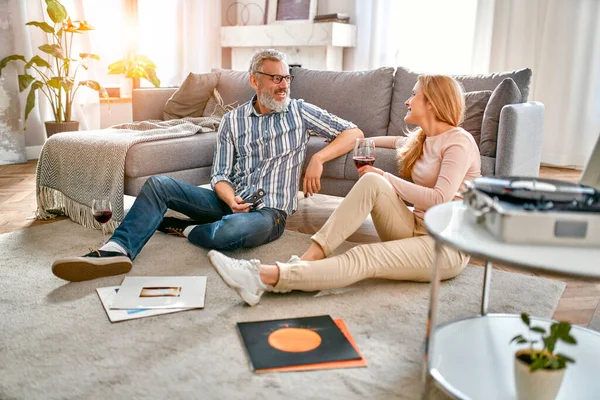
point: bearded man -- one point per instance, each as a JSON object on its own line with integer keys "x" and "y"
{"x": 261, "y": 145}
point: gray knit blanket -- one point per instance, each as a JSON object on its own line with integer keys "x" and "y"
{"x": 76, "y": 167}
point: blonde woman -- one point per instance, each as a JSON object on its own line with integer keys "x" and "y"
{"x": 434, "y": 162}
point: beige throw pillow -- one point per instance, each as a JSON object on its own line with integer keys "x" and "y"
{"x": 191, "y": 98}
{"x": 475, "y": 103}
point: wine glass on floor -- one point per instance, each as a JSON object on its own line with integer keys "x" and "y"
{"x": 102, "y": 212}
{"x": 364, "y": 152}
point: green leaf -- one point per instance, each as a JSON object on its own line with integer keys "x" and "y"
{"x": 521, "y": 341}
{"x": 145, "y": 61}
{"x": 25, "y": 81}
{"x": 537, "y": 364}
{"x": 550, "y": 343}
{"x": 91, "y": 84}
{"x": 525, "y": 319}
{"x": 61, "y": 82}
{"x": 42, "y": 25}
{"x": 569, "y": 339}
{"x": 89, "y": 55}
{"x": 31, "y": 100}
{"x": 8, "y": 59}
{"x": 518, "y": 337}
{"x": 53, "y": 49}
{"x": 56, "y": 11}
{"x": 538, "y": 329}
{"x": 39, "y": 61}
{"x": 153, "y": 78}
{"x": 554, "y": 363}
{"x": 566, "y": 358}
{"x": 117, "y": 68}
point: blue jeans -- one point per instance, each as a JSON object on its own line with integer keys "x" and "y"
{"x": 218, "y": 227}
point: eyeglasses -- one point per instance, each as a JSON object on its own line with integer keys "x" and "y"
{"x": 278, "y": 78}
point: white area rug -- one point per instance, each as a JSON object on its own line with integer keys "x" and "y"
{"x": 57, "y": 343}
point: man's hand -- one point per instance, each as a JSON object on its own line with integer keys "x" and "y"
{"x": 368, "y": 168}
{"x": 238, "y": 205}
{"x": 312, "y": 177}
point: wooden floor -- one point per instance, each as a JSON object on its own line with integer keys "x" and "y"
{"x": 579, "y": 303}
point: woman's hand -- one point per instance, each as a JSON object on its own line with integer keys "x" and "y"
{"x": 368, "y": 168}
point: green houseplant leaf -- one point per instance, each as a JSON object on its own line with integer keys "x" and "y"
{"x": 56, "y": 11}
{"x": 545, "y": 358}
{"x": 42, "y": 25}
{"x": 135, "y": 66}
{"x": 55, "y": 75}
{"x": 25, "y": 81}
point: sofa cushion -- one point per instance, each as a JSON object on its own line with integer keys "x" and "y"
{"x": 332, "y": 168}
{"x": 191, "y": 97}
{"x": 405, "y": 79}
{"x": 475, "y": 103}
{"x": 506, "y": 93}
{"x": 234, "y": 86}
{"x": 362, "y": 97}
{"x": 161, "y": 156}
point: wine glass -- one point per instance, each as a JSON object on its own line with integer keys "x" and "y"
{"x": 364, "y": 152}
{"x": 102, "y": 212}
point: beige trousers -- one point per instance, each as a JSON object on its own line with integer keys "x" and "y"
{"x": 406, "y": 251}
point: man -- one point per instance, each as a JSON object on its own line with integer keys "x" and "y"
{"x": 261, "y": 145}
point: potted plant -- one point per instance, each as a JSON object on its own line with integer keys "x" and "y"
{"x": 134, "y": 68}
{"x": 56, "y": 76}
{"x": 539, "y": 371}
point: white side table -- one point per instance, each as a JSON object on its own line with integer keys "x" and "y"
{"x": 472, "y": 358}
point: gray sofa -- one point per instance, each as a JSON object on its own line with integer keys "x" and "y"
{"x": 374, "y": 100}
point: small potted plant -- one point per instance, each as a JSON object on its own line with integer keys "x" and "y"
{"x": 134, "y": 68}
{"x": 539, "y": 372}
{"x": 55, "y": 76}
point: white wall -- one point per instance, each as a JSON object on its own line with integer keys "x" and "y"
{"x": 119, "y": 112}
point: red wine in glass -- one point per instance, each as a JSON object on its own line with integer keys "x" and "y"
{"x": 362, "y": 161}
{"x": 102, "y": 212}
{"x": 103, "y": 216}
{"x": 364, "y": 152}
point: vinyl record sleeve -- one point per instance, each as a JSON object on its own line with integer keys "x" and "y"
{"x": 295, "y": 341}
{"x": 326, "y": 365}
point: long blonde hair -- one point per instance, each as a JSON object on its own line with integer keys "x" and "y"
{"x": 445, "y": 95}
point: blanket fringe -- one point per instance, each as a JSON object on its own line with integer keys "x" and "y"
{"x": 52, "y": 203}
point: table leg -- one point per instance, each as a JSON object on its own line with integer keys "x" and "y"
{"x": 431, "y": 317}
{"x": 485, "y": 296}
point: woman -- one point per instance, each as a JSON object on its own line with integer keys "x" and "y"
{"x": 438, "y": 157}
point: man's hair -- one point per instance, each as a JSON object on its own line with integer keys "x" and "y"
{"x": 260, "y": 56}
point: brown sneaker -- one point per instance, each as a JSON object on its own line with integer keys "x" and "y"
{"x": 96, "y": 264}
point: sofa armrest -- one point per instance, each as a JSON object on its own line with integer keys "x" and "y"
{"x": 520, "y": 131}
{"x": 148, "y": 103}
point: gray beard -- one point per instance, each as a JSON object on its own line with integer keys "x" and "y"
{"x": 268, "y": 100}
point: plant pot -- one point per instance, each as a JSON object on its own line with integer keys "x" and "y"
{"x": 542, "y": 384}
{"x": 56, "y": 127}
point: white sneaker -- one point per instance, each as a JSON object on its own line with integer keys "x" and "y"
{"x": 241, "y": 275}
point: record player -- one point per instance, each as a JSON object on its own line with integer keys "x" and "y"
{"x": 539, "y": 211}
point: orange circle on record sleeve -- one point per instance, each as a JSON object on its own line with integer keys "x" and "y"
{"x": 294, "y": 340}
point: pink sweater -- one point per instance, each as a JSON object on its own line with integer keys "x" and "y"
{"x": 448, "y": 160}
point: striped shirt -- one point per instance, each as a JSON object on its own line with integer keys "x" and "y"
{"x": 266, "y": 151}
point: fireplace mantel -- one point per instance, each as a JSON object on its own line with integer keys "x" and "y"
{"x": 312, "y": 45}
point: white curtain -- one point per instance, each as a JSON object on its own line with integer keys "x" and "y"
{"x": 426, "y": 35}
{"x": 560, "y": 41}
{"x": 183, "y": 38}
{"x": 86, "y": 107}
